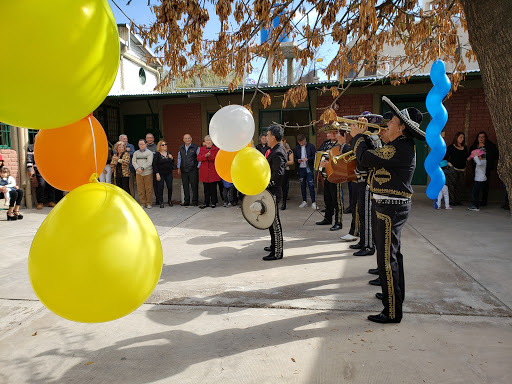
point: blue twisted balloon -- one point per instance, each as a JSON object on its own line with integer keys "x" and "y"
{"x": 439, "y": 116}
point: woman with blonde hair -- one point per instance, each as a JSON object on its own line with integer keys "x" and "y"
{"x": 163, "y": 165}
{"x": 120, "y": 165}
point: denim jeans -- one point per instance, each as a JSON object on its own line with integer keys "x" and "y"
{"x": 307, "y": 177}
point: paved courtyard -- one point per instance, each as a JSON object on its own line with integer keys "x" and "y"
{"x": 222, "y": 315}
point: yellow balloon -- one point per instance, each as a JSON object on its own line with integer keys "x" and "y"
{"x": 97, "y": 255}
{"x": 59, "y": 60}
{"x": 250, "y": 171}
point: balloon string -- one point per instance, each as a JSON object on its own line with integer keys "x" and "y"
{"x": 94, "y": 145}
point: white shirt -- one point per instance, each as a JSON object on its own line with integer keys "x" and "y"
{"x": 481, "y": 165}
{"x": 303, "y": 156}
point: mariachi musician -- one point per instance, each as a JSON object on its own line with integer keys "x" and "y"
{"x": 390, "y": 184}
{"x": 333, "y": 192}
{"x": 277, "y": 159}
{"x": 361, "y": 193}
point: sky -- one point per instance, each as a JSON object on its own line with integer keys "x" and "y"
{"x": 140, "y": 13}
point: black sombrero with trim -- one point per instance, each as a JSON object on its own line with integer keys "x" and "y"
{"x": 411, "y": 117}
{"x": 334, "y": 127}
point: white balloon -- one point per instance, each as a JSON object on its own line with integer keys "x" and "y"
{"x": 232, "y": 128}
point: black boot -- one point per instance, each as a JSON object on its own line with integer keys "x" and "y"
{"x": 283, "y": 205}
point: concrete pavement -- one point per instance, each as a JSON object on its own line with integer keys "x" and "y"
{"x": 222, "y": 315}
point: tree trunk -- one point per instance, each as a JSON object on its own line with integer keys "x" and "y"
{"x": 490, "y": 36}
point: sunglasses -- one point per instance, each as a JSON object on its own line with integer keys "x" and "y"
{"x": 164, "y": 144}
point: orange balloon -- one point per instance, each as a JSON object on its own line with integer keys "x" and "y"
{"x": 223, "y": 162}
{"x": 65, "y": 156}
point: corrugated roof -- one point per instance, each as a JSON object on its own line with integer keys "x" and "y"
{"x": 264, "y": 87}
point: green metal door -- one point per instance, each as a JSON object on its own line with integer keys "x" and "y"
{"x": 137, "y": 126}
{"x": 417, "y": 101}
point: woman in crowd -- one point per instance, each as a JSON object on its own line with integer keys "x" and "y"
{"x": 490, "y": 151}
{"x": 163, "y": 165}
{"x": 456, "y": 155}
{"x": 120, "y": 165}
{"x": 8, "y": 188}
{"x": 207, "y": 173}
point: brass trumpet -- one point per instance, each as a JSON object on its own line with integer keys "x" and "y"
{"x": 346, "y": 157}
{"x": 369, "y": 125}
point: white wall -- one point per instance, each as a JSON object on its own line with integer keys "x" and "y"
{"x": 398, "y": 50}
{"x": 131, "y": 82}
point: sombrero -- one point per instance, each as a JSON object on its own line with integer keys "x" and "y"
{"x": 411, "y": 118}
{"x": 371, "y": 117}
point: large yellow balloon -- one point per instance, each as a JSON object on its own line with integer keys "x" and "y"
{"x": 97, "y": 255}
{"x": 250, "y": 171}
{"x": 59, "y": 60}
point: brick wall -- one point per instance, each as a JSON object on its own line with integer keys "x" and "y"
{"x": 348, "y": 105}
{"x": 468, "y": 112}
{"x": 11, "y": 161}
{"x": 180, "y": 119}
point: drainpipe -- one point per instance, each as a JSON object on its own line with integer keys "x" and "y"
{"x": 21, "y": 148}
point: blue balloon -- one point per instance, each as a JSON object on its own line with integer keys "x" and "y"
{"x": 433, "y": 136}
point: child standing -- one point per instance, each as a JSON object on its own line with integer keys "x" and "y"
{"x": 480, "y": 184}
{"x": 444, "y": 191}
{"x": 227, "y": 193}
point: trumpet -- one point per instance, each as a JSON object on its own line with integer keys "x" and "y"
{"x": 368, "y": 125}
{"x": 346, "y": 157}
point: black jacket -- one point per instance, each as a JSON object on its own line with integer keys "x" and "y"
{"x": 163, "y": 165}
{"x": 277, "y": 160}
{"x": 310, "y": 154}
{"x": 262, "y": 148}
{"x": 393, "y": 165}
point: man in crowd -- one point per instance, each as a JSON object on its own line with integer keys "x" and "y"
{"x": 151, "y": 145}
{"x": 304, "y": 155}
{"x": 188, "y": 168}
{"x": 263, "y": 146}
{"x": 150, "y": 140}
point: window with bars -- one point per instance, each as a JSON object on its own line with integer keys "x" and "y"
{"x": 32, "y": 135}
{"x": 109, "y": 119}
{"x": 5, "y": 136}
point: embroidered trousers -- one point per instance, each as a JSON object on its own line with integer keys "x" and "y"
{"x": 354, "y": 207}
{"x": 364, "y": 204}
{"x": 276, "y": 234}
{"x": 333, "y": 198}
{"x": 389, "y": 221}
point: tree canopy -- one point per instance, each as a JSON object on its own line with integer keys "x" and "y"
{"x": 359, "y": 29}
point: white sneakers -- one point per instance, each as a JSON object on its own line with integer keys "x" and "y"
{"x": 348, "y": 237}
{"x": 305, "y": 204}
